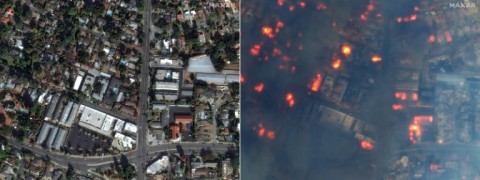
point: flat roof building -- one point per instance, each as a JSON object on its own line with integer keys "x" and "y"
{"x": 59, "y": 139}
{"x": 159, "y": 165}
{"x": 66, "y": 112}
{"x": 78, "y": 82}
{"x": 72, "y": 116}
{"x": 200, "y": 64}
{"x": 51, "y": 108}
{"x": 93, "y": 119}
{"x": 161, "y": 85}
{"x": 44, "y": 132}
{"x": 130, "y": 128}
{"x": 119, "y": 125}
{"x": 214, "y": 78}
{"x": 122, "y": 142}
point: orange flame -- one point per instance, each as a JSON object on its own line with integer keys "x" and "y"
{"x": 401, "y": 95}
{"x": 255, "y": 50}
{"x": 315, "y": 86}
{"x": 336, "y": 64}
{"x": 397, "y": 107}
{"x": 259, "y": 87}
{"x": 414, "y": 97}
{"x": 271, "y": 135}
{"x": 413, "y": 17}
{"x": 346, "y": 50}
{"x": 291, "y": 8}
{"x": 290, "y": 99}
{"x": 366, "y": 145}
{"x": 376, "y": 58}
{"x": 267, "y": 31}
{"x": 302, "y": 4}
{"x": 431, "y": 38}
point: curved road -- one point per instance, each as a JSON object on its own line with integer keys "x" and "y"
{"x": 85, "y": 163}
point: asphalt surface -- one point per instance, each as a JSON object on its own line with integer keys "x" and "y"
{"x": 83, "y": 164}
{"x": 141, "y": 151}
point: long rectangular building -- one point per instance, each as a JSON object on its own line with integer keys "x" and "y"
{"x": 43, "y": 134}
{"x": 59, "y": 139}
{"x": 72, "y": 116}
{"x": 66, "y": 112}
{"x": 51, "y": 107}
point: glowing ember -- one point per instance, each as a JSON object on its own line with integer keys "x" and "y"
{"x": 271, "y": 135}
{"x": 276, "y": 52}
{"x": 291, "y": 8}
{"x": 336, "y": 64}
{"x": 376, "y": 58}
{"x": 401, "y": 95}
{"x": 259, "y": 87}
{"x": 413, "y": 17}
{"x": 242, "y": 79}
{"x": 420, "y": 119}
{"x": 255, "y": 50}
{"x": 280, "y": 2}
{"x": 279, "y": 26}
{"x": 415, "y": 129}
{"x": 370, "y": 7}
{"x": 321, "y": 6}
{"x": 285, "y": 58}
{"x": 399, "y": 19}
{"x": 416, "y": 8}
{"x": 267, "y": 31}
{"x": 315, "y": 86}
{"x": 414, "y": 97}
{"x": 448, "y": 36}
{"x": 261, "y": 132}
{"x": 290, "y": 99}
{"x": 363, "y": 17}
{"x": 346, "y": 50}
{"x": 431, "y": 39}
{"x": 302, "y": 4}
{"x": 366, "y": 145}
{"x": 397, "y": 107}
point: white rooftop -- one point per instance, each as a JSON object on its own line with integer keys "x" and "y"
{"x": 200, "y": 64}
{"x": 78, "y": 82}
{"x": 159, "y": 165}
{"x": 131, "y": 128}
{"x": 125, "y": 142}
{"x": 92, "y": 117}
{"x": 108, "y": 123}
{"x": 119, "y": 125}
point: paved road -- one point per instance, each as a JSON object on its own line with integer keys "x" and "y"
{"x": 83, "y": 164}
{"x": 142, "y": 144}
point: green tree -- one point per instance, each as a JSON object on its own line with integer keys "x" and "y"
{"x": 72, "y": 11}
{"x": 128, "y": 172}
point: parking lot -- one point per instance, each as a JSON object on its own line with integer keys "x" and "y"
{"x": 83, "y": 141}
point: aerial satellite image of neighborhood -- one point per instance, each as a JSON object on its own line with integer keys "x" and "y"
{"x": 119, "y": 89}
